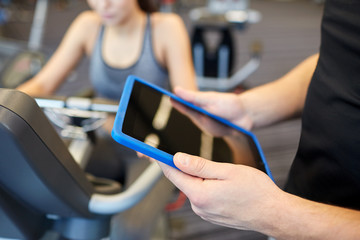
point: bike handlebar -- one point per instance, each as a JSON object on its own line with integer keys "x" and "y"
{"x": 85, "y": 104}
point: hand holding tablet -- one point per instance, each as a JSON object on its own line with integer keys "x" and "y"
{"x": 158, "y": 124}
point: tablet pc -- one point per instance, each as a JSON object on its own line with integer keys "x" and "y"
{"x": 159, "y": 124}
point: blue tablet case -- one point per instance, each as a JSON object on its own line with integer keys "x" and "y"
{"x": 151, "y": 151}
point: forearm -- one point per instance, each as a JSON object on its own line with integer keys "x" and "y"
{"x": 32, "y": 88}
{"x": 63, "y": 61}
{"x": 178, "y": 57}
{"x": 296, "y": 218}
{"x": 46, "y": 82}
{"x": 281, "y": 99}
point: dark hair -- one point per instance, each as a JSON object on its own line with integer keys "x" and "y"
{"x": 148, "y": 6}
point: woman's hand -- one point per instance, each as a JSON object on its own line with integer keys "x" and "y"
{"x": 109, "y": 123}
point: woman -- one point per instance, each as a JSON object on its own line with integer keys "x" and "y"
{"x": 121, "y": 37}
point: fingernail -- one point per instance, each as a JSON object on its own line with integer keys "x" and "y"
{"x": 184, "y": 160}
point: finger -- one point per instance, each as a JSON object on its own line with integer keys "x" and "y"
{"x": 186, "y": 183}
{"x": 200, "y": 167}
{"x": 141, "y": 155}
{"x": 194, "y": 97}
{"x": 184, "y": 94}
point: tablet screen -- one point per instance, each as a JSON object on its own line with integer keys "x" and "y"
{"x": 167, "y": 124}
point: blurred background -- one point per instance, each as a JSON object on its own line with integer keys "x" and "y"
{"x": 274, "y": 37}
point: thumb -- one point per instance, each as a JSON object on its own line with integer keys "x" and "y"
{"x": 184, "y": 94}
{"x": 194, "y": 97}
{"x": 200, "y": 167}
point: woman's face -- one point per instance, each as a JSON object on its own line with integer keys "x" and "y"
{"x": 114, "y": 12}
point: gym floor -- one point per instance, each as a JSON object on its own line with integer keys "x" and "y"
{"x": 289, "y": 32}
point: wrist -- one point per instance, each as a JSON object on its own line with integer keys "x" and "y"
{"x": 281, "y": 217}
{"x": 249, "y": 115}
{"x": 292, "y": 217}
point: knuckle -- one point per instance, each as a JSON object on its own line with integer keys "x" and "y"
{"x": 200, "y": 165}
{"x": 167, "y": 173}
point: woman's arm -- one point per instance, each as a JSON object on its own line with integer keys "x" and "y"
{"x": 65, "y": 59}
{"x": 177, "y": 51}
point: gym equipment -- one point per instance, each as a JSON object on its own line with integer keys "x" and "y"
{"x": 214, "y": 67}
{"x": 27, "y": 61}
{"x": 77, "y": 118}
{"x": 44, "y": 193}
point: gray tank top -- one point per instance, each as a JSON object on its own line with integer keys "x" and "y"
{"x": 108, "y": 82}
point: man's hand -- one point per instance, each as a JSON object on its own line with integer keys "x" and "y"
{"x": 243, "y": 197}
{"x": 225, "y": 105}
{"x": 235, "y": 196}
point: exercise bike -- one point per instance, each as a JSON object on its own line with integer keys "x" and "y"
{"x": 44, "y": 191}
{"x": 214, "y": 66}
